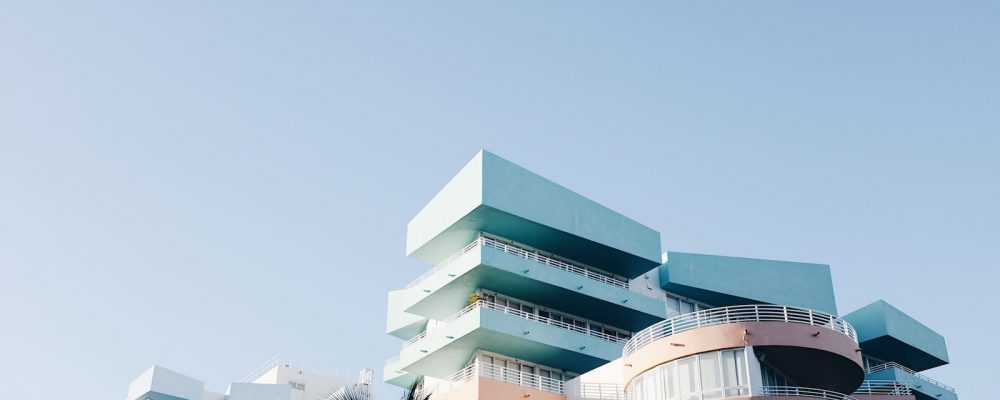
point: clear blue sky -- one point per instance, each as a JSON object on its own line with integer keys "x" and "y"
{"x": 201, "y": 184}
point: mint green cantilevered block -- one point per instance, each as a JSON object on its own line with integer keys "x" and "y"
{"x": 889, "y": 334}
{"x": 724, "y": 281}
{"x": 495, "y": 195}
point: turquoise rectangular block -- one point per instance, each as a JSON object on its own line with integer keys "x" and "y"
{"x": 445, "y": 350}
{"x": 889, "y": 334}
{"x": 400, "y": 323}
{"x": 923, "y": 388}
{"x": 448, "y": 290}
{"x": 392, "y": 375}
{"x": 724, "y": 281}
{"x": 494, "y": 195}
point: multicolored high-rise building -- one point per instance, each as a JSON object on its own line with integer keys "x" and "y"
{"x": 537, "y": 291}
